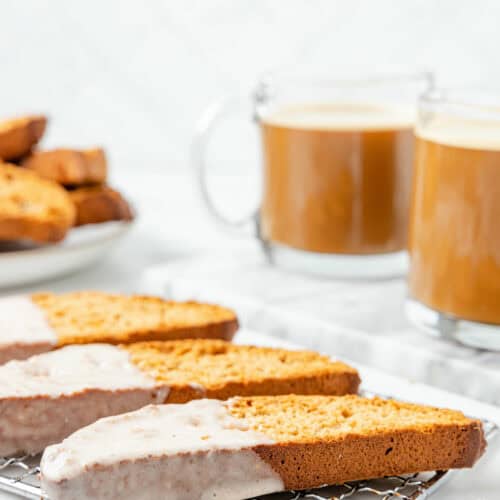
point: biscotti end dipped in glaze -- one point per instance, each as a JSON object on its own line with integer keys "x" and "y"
{"x": 19, "y": 135}
{"x": 252, "y": 446}
{"x": 70, "y": 167}
{"x": 44, "y": 321}
{"x": 32, "y": 208}
{"x": 179, "y": 452}
{"x": 45, "y": 398}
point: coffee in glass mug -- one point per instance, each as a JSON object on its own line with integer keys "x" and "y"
{"x": 337, "y": 178}
{"x": 454, "y": 278}
{"x": 337, "y": 161}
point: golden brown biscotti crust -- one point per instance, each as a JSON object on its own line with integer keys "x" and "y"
{"x": 345, "y": 450}
{"x": 98, "y": 204}
{"x": 91, "y": 316}
{"x": 12, "y": 229}
{"x": 303, "y": 466}
{"x": 70, "y": 167}
{"x": 32, "y": 208}
{"x": 19, "y": 135}
{"x": 222, "y": 370}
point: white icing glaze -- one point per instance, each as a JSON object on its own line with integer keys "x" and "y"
{"x": 180, "y": 452}
{"x": 22, "y": 322}
{"x": 341, "y": 116}
{"x": 70, "y": 370}
{"x": 459, "y": 132}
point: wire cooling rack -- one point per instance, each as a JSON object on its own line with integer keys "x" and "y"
{"x": 20, "y": 476}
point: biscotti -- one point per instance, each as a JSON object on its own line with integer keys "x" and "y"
{"x": 43, "y": 321}
{"x": 19, "y": 135}
{"x": 70, "y": 167}
{"x": 98, "y": 204}
{"x": 252, "y": 446}
{"x": 219, "y": 370}
{"x": 45, "y": 398}
{"x": 32, "y": 208}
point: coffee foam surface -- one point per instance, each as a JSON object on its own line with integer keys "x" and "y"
{"x": 341, "y": 116}
{"x": 462, "y": 133}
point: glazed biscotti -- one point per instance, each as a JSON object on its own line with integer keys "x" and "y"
{"x": 45, "y": 398}
{"x": 19, "y": 135}
{"x": 252, "y": 446}
{"x": 44, "y": 321}
{"x": 98, "y": 204}
{"x": 32, "y": 208}
{"x": 70, "y": 167}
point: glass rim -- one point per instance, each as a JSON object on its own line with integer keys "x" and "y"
{"x": 345, "y": 77}
{"x": 463, "y": 100}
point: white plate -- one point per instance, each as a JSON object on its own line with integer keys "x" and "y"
{"x": 29, "y": 264}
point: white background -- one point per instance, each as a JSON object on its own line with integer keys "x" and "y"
{"x": 135, "y": 75}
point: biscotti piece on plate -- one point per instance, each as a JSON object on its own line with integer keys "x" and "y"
{"x": 252, "y": 446}
{"x": 71, "y": 167}
{"x": 98, "y": 204}
{"x": 44, "y": 321}
{"x": 45, "y": 398}
{"x": 32, "y": 208}
{"x": 19, "y": 135}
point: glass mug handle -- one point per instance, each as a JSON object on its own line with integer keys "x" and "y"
{"x": 206, "y": 125}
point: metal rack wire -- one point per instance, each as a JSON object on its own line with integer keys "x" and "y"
{"x": 20, "y": 476}
{"x": 411, "y": 487}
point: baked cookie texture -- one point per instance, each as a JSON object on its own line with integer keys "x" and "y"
{"x": 98, "y": 204}
{"x": 256, "y": 445}
{"x": 82, "y": 172}
{"x": 92, "y": 316}
{"x": 32, "y": 208}
{"x": 18, "y": 136}
{"x": 329, "y": 440}
{"x": 48, "y": 321}
{"x": 69, "y": 167}
{"x": 221, "y": 370}
{"x": 47, "y": 397}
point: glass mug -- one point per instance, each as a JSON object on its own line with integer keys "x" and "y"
{"x": 454, "y": 277}
{"x": 337, "y": 168}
